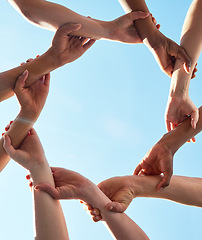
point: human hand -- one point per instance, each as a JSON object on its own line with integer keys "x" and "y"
{"x": 177, "y": 110}
{"x": 166, "y": 52}
{"x": 120, "y": 191}
{"x": 68, "y": 185}
{"x": 158, "y": 160}
{"x": 30, "y": 153}
{"x": 66, "y": 48}
{"x": 123, "y": 28}
{"x": 32, "y": 98}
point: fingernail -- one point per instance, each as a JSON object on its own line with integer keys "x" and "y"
{"x": 24, "y": 73}
{"x": 110, "y": 208}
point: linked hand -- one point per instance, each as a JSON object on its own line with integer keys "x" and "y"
{"x": 123, "y": 28}
{"x": 30, "y": 153}
{"x": 166, "y": 52}
{"x": 178, "y": 110}
{"x": 68, "y": 185}
{"x": 159, "y": 160}
{"x": 66, "y": 48}
{"x": 32, "y": 98}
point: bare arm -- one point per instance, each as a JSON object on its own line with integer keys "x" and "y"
{"x": 63, "y": 50}
{"x": 49, "y": 219}
{"x": 179, "y": 104}
{"x": 159, "y": 159}
{"x": 51, "y": 16}
{"x": 161, "y": 47}
{"x": 71, "y": 185}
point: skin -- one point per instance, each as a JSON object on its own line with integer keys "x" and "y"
{"x": 179, "y": 104}
{"x": 159, "y": 159}
{"x": 47, "y": 211}
{"x": 30, "y": 90}
{"x": 51, "y": 16}
{"x": 64, "y": 49}
{"x": 72, "y": 185}
{"x": 165, "y": 51}
{"x": 122, "y": 190}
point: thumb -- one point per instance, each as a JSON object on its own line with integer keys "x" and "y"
{"x": 194, "y": 118}
{"x": 68, "y": 28}
{"x": 137, "y": 14}
{"x": 165, "y": 181}
{"x": 116, "y": 207}
{"x": 182, "y": 55}
{"x": 53, "y": 192}
{"x": 20, "y": 83}
{"x": 8, "y": 147}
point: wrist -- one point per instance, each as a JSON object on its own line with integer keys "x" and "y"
{"x": 41, "y": 172}
{"x": 27, "y": 117}
{"x": 167, "y": 142}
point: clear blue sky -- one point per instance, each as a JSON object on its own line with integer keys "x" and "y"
{"x": 103, "y": 113}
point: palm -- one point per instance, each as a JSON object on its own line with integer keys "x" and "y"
{"x": 69, "y": 184}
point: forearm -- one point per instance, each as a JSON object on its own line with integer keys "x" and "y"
{"x": 191, "y": 41}
{"x": 184, "y": 190}
{"x": 37, "y": 68}
{"x": 145, "y": 27}
{"x": 17, "y": 132}
{"x": 120, "y": 225}
{"x": 49, "y": 219}
{"x": 174, "y": 139}
{"x": 51, "y": 16}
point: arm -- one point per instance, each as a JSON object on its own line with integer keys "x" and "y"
{"x": 159, "y": 159}
{"x": 122, "y": 190}
{"x": 71, "y": 185}
{"x": 161, "y": 47}
{"x": 179, "y": 105}
{"x": 32, "y": 100}
{"x": 63, "y": 50}
{"x": 51, "y": 16}
{"x": 49, "y": 219}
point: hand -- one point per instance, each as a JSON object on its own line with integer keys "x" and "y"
{"x": 66, "y": 48}
{"x": 178, "y": 110}
{"x": 123, "y": 28}
{"x": 159, "y": 160}
{"x": 120, "y": 191}
{"x": 68, "y": 185}
{"x": 30, "y": 153}
{"x": 31, "y": 99}
{"x": 166, "y": 52}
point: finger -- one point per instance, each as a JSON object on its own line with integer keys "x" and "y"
{"x": 154, "y": 21}
{"x": 83, "y": 40}
{"x": 20, "y": 83}
{"x": 48, "y": 189}
{"x": 137, "y": 170}
{"x": 33, "y": 132}
{"x": 165, "y": 180}
{"x": 8, "y": 147}
{"x": 194, "y": 118}
{"x": 29, "y": 60}
{"x": 137, "y": 14}
{"x": 193, "y": 139}
{"x": 97, "y": 218}
{"x": 47, "y": 80}
{"x": 182, "y": 55}
{"x": 158, "y": 26}
{"x": 89, "y": 44}
{"x": 116, "y": 207}
{"x": 28, "y": 177}
{"x": 168, "y": 125}
{"x": 95, "y": 212}
{"x": 68, "y": 28}
{"x": 31, "y": 184}
{"x": 173, "y": 126}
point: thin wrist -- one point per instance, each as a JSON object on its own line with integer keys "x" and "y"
{"x": 27, "y": 117}
{"x": 167, "y": 143}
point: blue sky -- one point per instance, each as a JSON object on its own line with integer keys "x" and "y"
{"x": 103, "y": 113}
